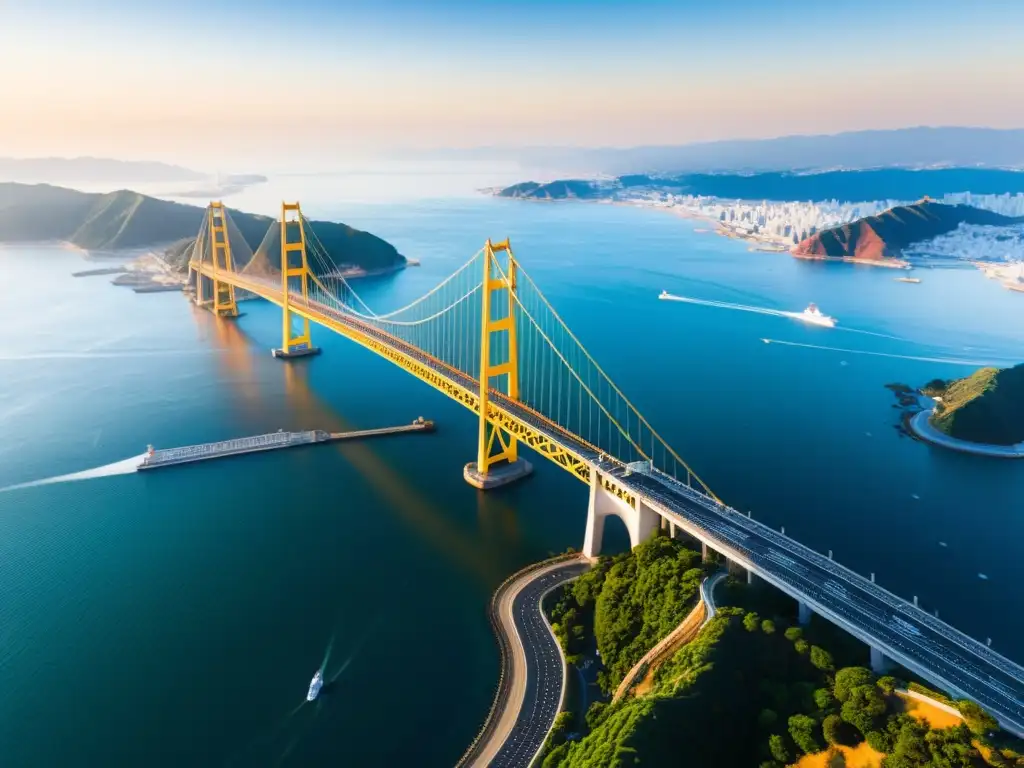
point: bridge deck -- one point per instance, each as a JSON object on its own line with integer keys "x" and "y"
{"x": 910, "y": 636}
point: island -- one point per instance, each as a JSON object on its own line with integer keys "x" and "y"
{"x": 982, "y": 413}
{"x": 882, "y": 238}
{"x": 125, "y": 221}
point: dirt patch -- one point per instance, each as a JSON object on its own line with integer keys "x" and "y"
{"x": 928, "y": 714}
{"x": 861, "y": 756}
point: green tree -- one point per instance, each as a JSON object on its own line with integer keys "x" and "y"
{"x": 801, "y": 646}
{"x": 822, "y": 659}
{"x": 835, "y": 730}
{"x": 823, "y": 699}
{"x": 849, "y": 678}
{"x": 596, "y": 714}
{"x": 766, "y": 719}
{"x": 768, "y": 627}
{"x": 751, "y": 622}
{"x": 780, "y": 751}
{"x": 794, "y": 633}
{"x": 804, "y": 731}
{"x": 978, "y": 720}
{"x": 888, "y": 684}
{"x": 910, "y": 749}
{"x": 863, "y": 708}
{"x": 878, "y": 741}
{"x": 556, "y": 756}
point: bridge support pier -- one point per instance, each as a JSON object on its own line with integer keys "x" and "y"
{"x": 641, "y": 521}
{"x": 705, "y": 553}
{"x": 496, "y": 476}
{"x": 804, "y": 614}
{"x": 880, "y": 663}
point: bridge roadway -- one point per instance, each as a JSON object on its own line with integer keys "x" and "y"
{"x": 904, "y": 633}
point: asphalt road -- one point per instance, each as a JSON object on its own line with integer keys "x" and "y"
{"x": 545, "y": 673}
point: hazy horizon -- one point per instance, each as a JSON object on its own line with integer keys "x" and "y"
{"x": 260, "y": 85}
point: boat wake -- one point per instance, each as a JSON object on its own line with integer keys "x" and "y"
{"x": 124, "y": 467}
{"x": 801, "y": 316}
{"x": 946, "y": 360}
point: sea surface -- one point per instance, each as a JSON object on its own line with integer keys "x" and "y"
{"x": 176, "y": 617}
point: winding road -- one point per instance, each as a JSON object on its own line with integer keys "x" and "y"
{"x": 533, "y": 675}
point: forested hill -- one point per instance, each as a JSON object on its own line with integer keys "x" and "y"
{"x": 885, "y": 235}
{"x": 125, "y": 219}
{"x": 985, "y": 407}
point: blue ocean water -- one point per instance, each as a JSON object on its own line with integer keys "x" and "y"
{"x": 175, "y": 618}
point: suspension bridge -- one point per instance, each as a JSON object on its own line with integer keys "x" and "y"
{"x": 487, "y": 338}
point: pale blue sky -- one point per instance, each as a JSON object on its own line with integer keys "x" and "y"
{"x": 188, "y": 80}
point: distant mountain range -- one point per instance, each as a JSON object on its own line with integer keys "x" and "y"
{"x": 92, "y": 169}
{"x": 904, "y": 147}
{"x": 881, "y": 237}
{"x": 126, "y": 220}
{"x": 844, "y": 186}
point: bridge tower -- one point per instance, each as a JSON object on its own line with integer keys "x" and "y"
{"x": 293, "y": 241}
{"x": 220, "y": 254}
{"x": 497, "y": 461}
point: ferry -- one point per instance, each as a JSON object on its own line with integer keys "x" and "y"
{"x": 315, "y": 685}
{"x": 815, "y": 316}
{"x": 908, "y": 279}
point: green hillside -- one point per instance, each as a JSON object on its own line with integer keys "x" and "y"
{"x": 985, "y": 407}
{"x": 126, "y": 219}
{"x": 751, "y": 690}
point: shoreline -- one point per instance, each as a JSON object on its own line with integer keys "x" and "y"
{"x": 887, "y": 263}
{"x": 920, "y": 426}
{"x": 760, "y": 243}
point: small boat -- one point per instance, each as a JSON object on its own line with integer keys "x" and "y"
{"x": 315, "y": 685}
{"x": 815, "y": 316}
{"x": 908, "y": 279}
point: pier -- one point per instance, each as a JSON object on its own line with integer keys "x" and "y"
{"x": 165, "y": 457}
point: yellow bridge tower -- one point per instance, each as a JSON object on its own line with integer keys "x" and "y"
{"x": 499, "y": 464}
{"x": 293, "y": 241}
{"x": 224, "y": 303}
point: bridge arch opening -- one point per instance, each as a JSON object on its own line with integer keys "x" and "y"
{"x": 616, "y": 535}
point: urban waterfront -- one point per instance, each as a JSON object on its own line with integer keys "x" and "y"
{"x": 176, "y": 618}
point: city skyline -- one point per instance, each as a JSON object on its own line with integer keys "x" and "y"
{"x": 250, "y": 82}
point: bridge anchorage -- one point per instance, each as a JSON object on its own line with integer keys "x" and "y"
{"x": 488, "y": 338}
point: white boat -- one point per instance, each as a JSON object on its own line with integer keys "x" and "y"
{"x": 815, "y": 316}
{"x": 315, "y": 685}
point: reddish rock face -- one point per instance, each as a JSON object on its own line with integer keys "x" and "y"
{"x": 884, "y": 236}
{"x": 857, "y": 240}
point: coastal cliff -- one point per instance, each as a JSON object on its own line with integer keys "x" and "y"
{"x": 883, "y": 237}
{"x": 985, "y": 407}
{"x": 129, "y": 220}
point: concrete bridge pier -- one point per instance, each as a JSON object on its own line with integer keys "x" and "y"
{"x": 641, "y": 521}
{"x": 705, "y": 553}
{"x": 804, "y": 614}
{"x": 880, "y": 663}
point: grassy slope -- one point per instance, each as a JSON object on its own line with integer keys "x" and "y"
{"x": 985, "y": 407}
{"x": 126, "y": 219}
